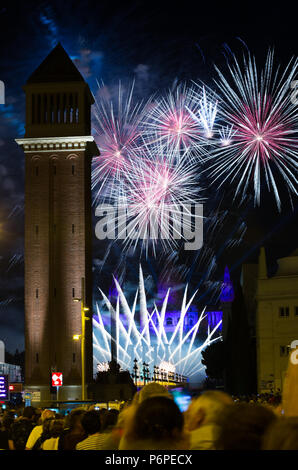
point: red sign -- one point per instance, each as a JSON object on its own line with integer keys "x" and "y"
{"x": 57, "y": 379}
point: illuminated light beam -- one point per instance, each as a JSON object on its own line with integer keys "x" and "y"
{"x": 158, "y": 333}
{"x": 193, "y": 332}
{"x": 196, "y": 371}
{"x": 199, "y": 349}
{"x": 184, "y": 309}
{"x": 108, "y": 336}
{"x": 128, "y": 340}
{"x": 101, "y": 325}
{"x": 115, "y": 316}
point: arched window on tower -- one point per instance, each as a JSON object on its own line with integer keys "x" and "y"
{"x": 71, "y": 109}
{"x": 64, "y": 108}
{"x": 58, "y": 100}
{"x": 76, "y": 108}
{"x": 33, "y": 114}
{"x": 38, "y": 109}
{"x": 52, "y": 109}
{"x": 45, "y": 109}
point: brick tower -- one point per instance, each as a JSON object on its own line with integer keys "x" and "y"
{"x": 58, "y": 151}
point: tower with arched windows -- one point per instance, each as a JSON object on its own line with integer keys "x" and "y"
{"x": 58, "y": 149}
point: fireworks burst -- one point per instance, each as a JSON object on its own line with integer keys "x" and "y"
{"x": 149, "y": 339}
{"x": 117, "y": 130}
{"x": 206, "y": 111}
{"x": 261, "y": 136}
{"x": 158, "y": 199}
{"x": 180, "y": 119}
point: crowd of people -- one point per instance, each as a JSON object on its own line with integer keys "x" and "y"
{"x": 214, "y": 420}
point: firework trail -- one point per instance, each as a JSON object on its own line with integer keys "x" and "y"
{"x": 259, "y": 140}
{"x": 14, "y": 261}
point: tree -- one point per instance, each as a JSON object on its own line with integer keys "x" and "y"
{"x": 214, "y": 360}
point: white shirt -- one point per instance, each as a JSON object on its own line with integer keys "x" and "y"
{"x": 93, "y": 442}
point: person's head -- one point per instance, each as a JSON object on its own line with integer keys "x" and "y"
{"x": 29, "y": 413}
{"x": 46, "y": 425}
{"x": 157, "y": 420}
{"x": 75, "y": 419}
{"x": 91, "y": 422}
{"x": 47, "y": 414}
{"x": 7, "y": 420}
{"x": 206, "y": 409}
{"x": 242, "y": 426}
{"x": 56, "y": 427}
{"x": 152, "y": 390}
{"x": 111, "y": 418}
{"x": 282, "y": 435}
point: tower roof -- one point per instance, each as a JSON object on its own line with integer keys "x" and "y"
{"x": 56, "y": 67}
{"x": 288, "y": 265}
{"x": 227, "y": 289}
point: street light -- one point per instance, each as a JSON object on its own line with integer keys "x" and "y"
{"x": 82, "y": 336}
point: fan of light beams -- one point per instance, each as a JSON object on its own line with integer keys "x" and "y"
{"x": 147, "y": 339}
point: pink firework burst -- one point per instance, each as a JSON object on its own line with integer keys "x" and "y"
{"x": 263, "y": 130}
{"x": 117, "y": 132}
{"x": 162, "y": 187}
{"x": 172, "y": 121}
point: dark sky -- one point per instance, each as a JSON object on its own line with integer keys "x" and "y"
{"x": 155, "y": 43}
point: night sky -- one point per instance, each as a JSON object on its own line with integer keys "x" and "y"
{"x": 154, "y": 43}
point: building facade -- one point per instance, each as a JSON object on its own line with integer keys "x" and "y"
{"x": 58, "y": 149}
{"x": 276, "y": 320}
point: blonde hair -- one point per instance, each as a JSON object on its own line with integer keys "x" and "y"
{"x": 212, "y": 403}
{"x": 46, "y": 414}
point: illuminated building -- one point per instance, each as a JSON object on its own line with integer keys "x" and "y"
{"x": 58, "y": 150}
{"x": 276, "y": 319}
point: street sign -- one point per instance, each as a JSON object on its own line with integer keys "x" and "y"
{"x": 57, "y": 379}
{"x": 4, "y": 387}
{"x": 16, "y": 387}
